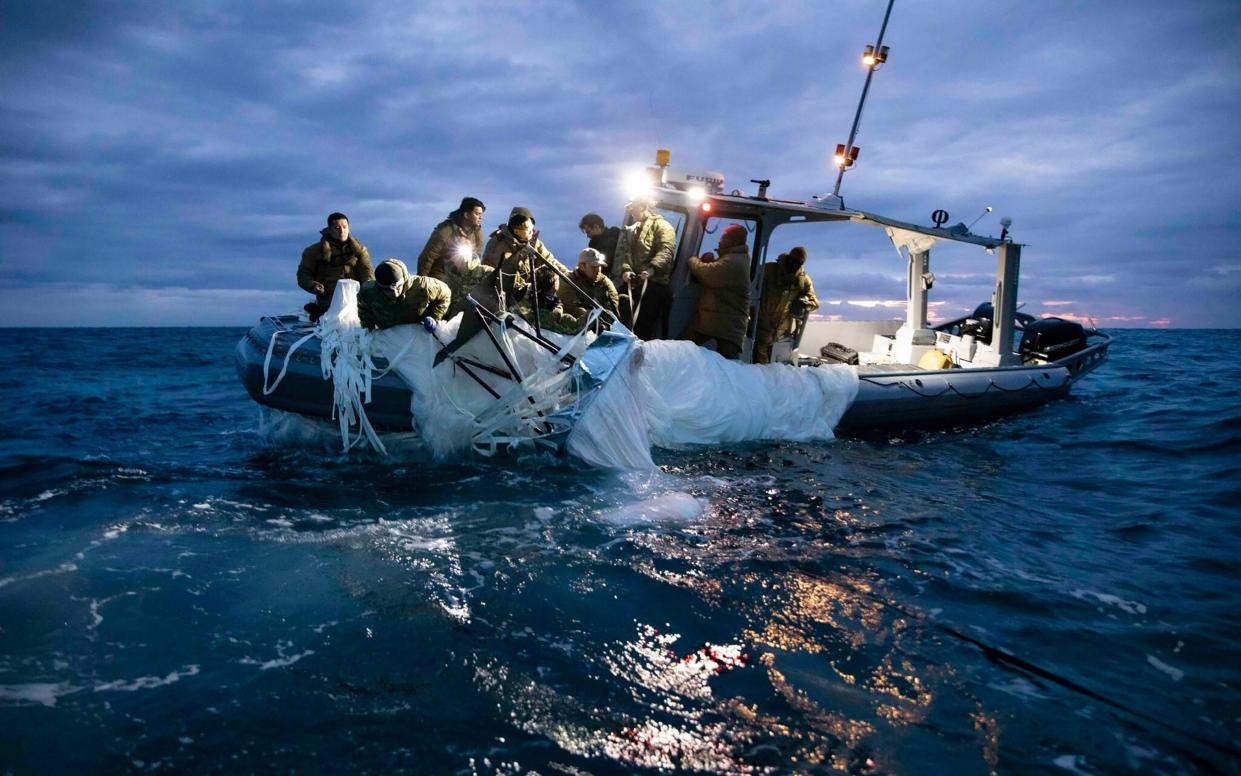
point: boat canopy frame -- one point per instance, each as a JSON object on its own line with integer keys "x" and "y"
{"x": 767, "y": 214}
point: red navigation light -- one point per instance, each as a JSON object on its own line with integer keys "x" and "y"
{"x": 706, "y": 207}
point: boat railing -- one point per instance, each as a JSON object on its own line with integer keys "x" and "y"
{"x": 1085, "y": 361}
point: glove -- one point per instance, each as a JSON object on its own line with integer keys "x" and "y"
{"x": 428, "y": 323}
{"x": 318, "y": 289}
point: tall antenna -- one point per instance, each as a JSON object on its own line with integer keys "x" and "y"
{"x": 873, "y": 58}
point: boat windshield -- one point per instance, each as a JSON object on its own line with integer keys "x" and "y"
{"x": 677, "y": 218}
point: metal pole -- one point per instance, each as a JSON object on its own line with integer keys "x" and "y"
{"x": 857, "y": 117}
{"x": 541, "y": 341}
{"x": 533, "y": 290}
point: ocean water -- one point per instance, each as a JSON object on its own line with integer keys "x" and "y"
{"x": 1054, "y": 592}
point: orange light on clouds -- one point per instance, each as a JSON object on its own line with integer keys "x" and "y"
{"x": 876, "y": 302}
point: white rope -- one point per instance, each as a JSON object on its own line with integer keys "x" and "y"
{"x": 271, "y": 347}
{"x": 402, "y": 353}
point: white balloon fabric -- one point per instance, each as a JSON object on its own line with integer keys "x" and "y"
{"x": 669, "y": 394}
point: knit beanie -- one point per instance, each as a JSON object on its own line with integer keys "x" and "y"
{"x": 734, "y": 234}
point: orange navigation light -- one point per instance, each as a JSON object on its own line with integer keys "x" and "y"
{"x": 662, "y": 157}
{"x": 845, "y": 160}
{"x": 872, "y": 58}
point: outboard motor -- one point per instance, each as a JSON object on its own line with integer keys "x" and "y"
{"x": 979, "y": 328}
{"x": 1048, "y": 339}
{"x": 985, "y": 310}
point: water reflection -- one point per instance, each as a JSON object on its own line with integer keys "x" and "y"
{"x": 805, "y": 668}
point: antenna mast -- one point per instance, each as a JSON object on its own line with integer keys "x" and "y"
{"x": 873, "y": 58}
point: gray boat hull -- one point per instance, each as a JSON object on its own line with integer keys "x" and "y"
{"x": 303, "y": 389}
{"x": 888, "y": 398}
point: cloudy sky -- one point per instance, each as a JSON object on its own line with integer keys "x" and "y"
{"x": 165, "y": 163}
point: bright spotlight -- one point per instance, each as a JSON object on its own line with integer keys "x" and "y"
{"x": 697, "y": 193}
{"x": 637, "y": 184}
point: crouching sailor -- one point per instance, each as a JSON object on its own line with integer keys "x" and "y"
{"x": 545, "y": 308}
{"x": 337, "y": 255}
{"x": 590, "y": 286}
{"x": 395, "y": 297}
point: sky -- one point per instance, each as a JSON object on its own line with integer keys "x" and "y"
{"x": 164, "y": 164}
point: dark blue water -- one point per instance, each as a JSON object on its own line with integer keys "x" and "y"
{"x": 1054, "y": 592}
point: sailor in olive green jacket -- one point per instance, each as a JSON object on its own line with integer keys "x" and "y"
{"x": 593, "y": 284}
{"x": 724, "y": 307}
{"x": 552, "y": 315}
{"x": 395, "y": 297}
{"x": 642, "y": 270}
{"x": 337, "y": 255}
{"x": 507, "y": 251}
{"x": 788, "y": 293}
{"x": 461, "y": 234}
{"x": 645, "y": 247}
{"x": 462, "y": 275}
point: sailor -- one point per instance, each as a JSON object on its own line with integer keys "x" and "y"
{"x": 724, "y": 307}
{"x": 337, "y": 255}
{"x": 461, "y": 270}
{"x": 460, "y": 233}
{"x": 551, "y": 315}
{"x": 603, "y": 238}
{"x": 395, "y": 297}
{"x": 591, "y": 286}
{"x": 512, "y": 251}
{"x": 643, "y": 263}
{"x": 788, "y": 294}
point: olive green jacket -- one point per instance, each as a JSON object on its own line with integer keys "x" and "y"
{"x": 422, "y": 298}
{"x": 327, "y": 262}
{"x": 555, "y": 319}
{"x": 461, "y": 281}
{"x": 724, "y": 307}
{"x": 505, "y": 251}
{"x": 445, "y": 238}
{"x": 648, "y": 246}
{"x": 600, "y": 290}
{"x": 780, "y": 291}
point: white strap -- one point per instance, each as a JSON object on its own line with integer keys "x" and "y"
{"x": 271, "y": 347}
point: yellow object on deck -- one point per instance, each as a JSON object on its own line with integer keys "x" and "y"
{"x": 935, "y": 359}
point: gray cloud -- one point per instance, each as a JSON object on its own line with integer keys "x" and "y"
{"x": 178, "y": 158}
